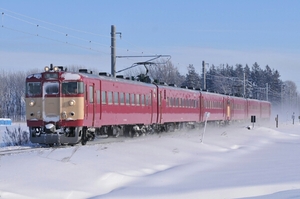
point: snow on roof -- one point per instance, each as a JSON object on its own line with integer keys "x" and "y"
{"x": 37, "y": 75}
{"x": 70, "y": 76}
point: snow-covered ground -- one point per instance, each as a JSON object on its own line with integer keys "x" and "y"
{"x": 231, "y": 162}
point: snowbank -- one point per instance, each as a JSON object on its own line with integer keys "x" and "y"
{"x": 231, "y": 162}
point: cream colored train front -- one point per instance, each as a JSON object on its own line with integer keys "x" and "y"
{"x": 55, "y": 106}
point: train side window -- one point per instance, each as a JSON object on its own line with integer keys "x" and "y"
{"x": 103, "y": 97}
{"x": 109, "y": 97}
{"x": 137, "y": 99}
{"x": 91, "y": 94}
{"x": 147, "y": 98}
{"x": 116, "y": 98}
{"x": 98, "y": 97}
{"x": 159, "y": 99}
{"x": 132, "y": 99}
{"x": 121, "y": 98}
{"x": 127, "y": 98}
{"x": 143, "y": 100}
{"x": 33, "y": 88}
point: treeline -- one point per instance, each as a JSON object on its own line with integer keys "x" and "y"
{"x": 254, "y": 81}
{"x": 250, "y": 82}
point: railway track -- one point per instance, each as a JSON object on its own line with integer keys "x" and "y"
{"x": 13, "y": 150}
{"x": 24, "y": 149}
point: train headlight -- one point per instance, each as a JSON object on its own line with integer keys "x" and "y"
{"x": 38, "y": 114}
{"x": 56, "y": 68}
{"x": 72, "y": 102}
{"x": 31, "y": 103}
{"x": 46, "y": 68}
{"x": 64, "y": 115}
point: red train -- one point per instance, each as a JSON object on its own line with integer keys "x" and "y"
{"x": 68, "y": 108}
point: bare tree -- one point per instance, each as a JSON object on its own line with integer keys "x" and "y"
{"x": 167, "y": 73}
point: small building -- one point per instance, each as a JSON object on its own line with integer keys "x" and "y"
{"x": 5, "y": 121}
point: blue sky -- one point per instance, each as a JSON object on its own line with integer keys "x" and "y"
{"x": 36, "y": 33}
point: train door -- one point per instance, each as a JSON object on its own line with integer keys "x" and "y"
{"x": 97, "y": 103}
{"x": 160, "y": 104}
{"x": 228, "y": 109}
{"x": 90, "y": 104}
{"x": 201, "y": 107}
{"x": 152, "y": 120}
{"x": 51, "y": 101}
{"x": 154, "y": 106}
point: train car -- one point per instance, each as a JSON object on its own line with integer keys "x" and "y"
{"x": 55, "y": 100}
{"x": 238, "y": 107}
{"x": 218, "y": 107}
{"x": 265, "y": 110}
{"x": 125, "y": 104}
{"x": 71, "y": 107}
{"x": 178, "y": 106}
{"x": 66, "y": 108}
{"x": 253, "y": 108}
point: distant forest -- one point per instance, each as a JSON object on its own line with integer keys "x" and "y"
{"x": 243, "y": 81}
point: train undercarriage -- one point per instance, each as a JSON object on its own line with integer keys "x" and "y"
{"x": 54, "y": 135}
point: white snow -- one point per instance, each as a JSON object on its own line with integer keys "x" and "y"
{"x": 71, "y": 76}
{"x": 231, "y": 162}
{"x": 38, "y": 76}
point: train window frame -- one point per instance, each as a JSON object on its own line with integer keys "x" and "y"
{"x": 127, "y": 96}
{"x": 159, "y": 99}
{"x": 103, "y": 97}
{"x": 98, "y": 96}
{"x": 121, "y": 96}
{"x": 109, "y": 97}
{"x": 33, "y": 88}
{"x": 72, "y": 88}
{"x": 132, "y": 98}
{"x": 137, "y": 99}
{"x": 51, "y": 76}
{"x": 51, "y": 87}
{"x": 91, "y": 94}
{"x": 116, "y": 98}
{"x": 146, "y": 100}
{"x": 142, "y": 99}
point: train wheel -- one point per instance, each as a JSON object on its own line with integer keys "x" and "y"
{"x": 84, "y": 136}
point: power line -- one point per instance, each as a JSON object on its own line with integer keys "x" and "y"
{"x": 48, "y": 38}
{"x": 60, "y": 26}
{"x": 59, "y": 32}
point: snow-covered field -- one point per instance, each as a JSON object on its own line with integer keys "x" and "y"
{"x": 231, "y": 162}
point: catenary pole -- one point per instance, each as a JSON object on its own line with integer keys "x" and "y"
{"x": 113, "y": 50}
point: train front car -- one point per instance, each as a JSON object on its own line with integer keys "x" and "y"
{"x": 54, "y": 106}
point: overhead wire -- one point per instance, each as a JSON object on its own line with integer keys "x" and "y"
{"x": 60, "y": 26}
{"x": 48, "y": 38}
{"x": 59, "y": 32}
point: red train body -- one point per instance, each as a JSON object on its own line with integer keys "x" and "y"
{"x": 67, "y": 107}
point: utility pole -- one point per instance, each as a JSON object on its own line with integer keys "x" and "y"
{"x": 267, "y": 92}
{"x": 113, "y": 49}
{"x": 244, "y": 85}
{"x": 204, "y": 75}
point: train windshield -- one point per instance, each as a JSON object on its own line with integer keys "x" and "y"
{"x": 33, "y": 88}
{"x": 72, "y": 88}
{"x": 51, "y": 88}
